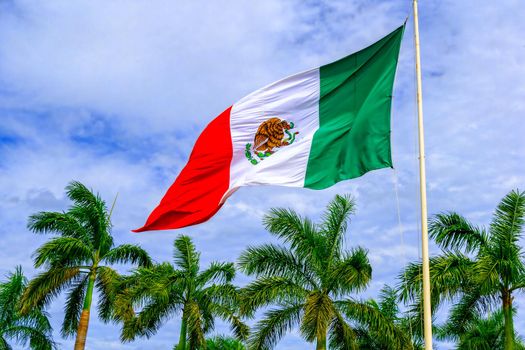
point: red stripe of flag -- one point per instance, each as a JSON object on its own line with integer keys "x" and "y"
{"x": 195, "y": 195}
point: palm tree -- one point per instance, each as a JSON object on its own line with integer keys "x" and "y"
{"x": 478, "y": 334}
{"x": 78, "y": 260}
{"x": 308, "y": 279}
{"x": 33, "y": 328}
{"x": 164, "y": 290}
{"x": 388, "y": 305}
{"x": 480, "y": 267}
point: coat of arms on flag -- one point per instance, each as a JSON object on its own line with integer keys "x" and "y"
{"x": 271, "y": 135}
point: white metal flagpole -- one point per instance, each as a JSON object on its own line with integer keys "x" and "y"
{"x": 427, "y": 324}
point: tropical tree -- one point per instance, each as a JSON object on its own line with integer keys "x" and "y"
{"x": 33, "y": 328}
{"x": 388, "y": 305}
{"x": 480, "y": 333}
{"x": 77, "y": 260}
{"x": 308, "y": 281}
{"x": 479, "y": 268}
{"x": 164, "y": 290}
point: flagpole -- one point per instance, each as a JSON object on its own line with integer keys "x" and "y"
{"x": 427, "y": 319}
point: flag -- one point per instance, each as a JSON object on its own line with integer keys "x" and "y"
{"x": 311, "y": 129}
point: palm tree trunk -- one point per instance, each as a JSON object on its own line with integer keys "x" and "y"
{"x": 509, "y": 322}
{"x": 83, "y": 324}
{"x": 321, "y": 342}
{"x": 183, "y": 333}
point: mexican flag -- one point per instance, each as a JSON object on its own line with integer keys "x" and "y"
{"x": 311, "y": 129}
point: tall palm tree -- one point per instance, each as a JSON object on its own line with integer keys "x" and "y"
{"x": 309, "y": 279}
{"x": 480, "y": 267}
{"x": 164, "y": 290}
{"x": 78, "y": 260}
{"x": 33, "y": 328}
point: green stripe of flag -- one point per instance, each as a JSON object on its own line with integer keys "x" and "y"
{"x": 354, "y": 114}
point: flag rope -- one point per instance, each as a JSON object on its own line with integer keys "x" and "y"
{"x": 402, "y": 237}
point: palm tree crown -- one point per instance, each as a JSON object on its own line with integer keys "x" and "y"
{"x": 33, "y": 328}
{"x": 77, "y": 260}
{"x": 164, "y": 290}
{"x": 308, "y": 279}
{"x": 482, "y": 267}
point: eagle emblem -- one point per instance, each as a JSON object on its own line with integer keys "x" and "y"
{"x": 271, "y": 135}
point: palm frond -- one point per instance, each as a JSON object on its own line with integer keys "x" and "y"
{"x": 62, "y": 223}
{"x": 4, "y": 345}
{"x": 149, "y": 319}
{"x": 267, "y": 290}
{"x": 350, "y": 274}
{"x": 47, "y": 285}
{"x": 488, "y": 271}
{"x": 222, "y": 301}
{"x": 93, "y": 212}
{"x": 40, "y": 340}
{"x": 300, "y": 233}
{"x": 453, "y": 231}
{"x": 107, "y": 283}
{"x": 99, "y": 234}
{"x": 384, "y": 328}
{"x": 37, "y": 339}
{"x": 335, "y": 224}
{"x": 341, "y": 334}
{"x": 450, "y": 273}
{"x": 274, "y": 260}
{"x": 506, "y": 231}
{"x": 128, "y": 253}
{"x": 470, "y": 307}
{"x": 10, "y": 292}
{"x": 144, "y": 285}
{"x": 32, "y": 329}
{"x": 274, "y": 325}
{"x": 238, "y": 327}
{"x": 223, "y": 294}
{"x": 63, "y": 251}
{"x": 185, "y": 255}
{"x": 73, "y": 307}
{"x": 219, "y": 272}
{"x": 519, "y": 283}
{"x": 156, "y": 292}
{"x": 388, "y": 302}
{"x": 509, "y": 218}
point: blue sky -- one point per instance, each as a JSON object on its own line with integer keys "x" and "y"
{"x": 114, "y": 94}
